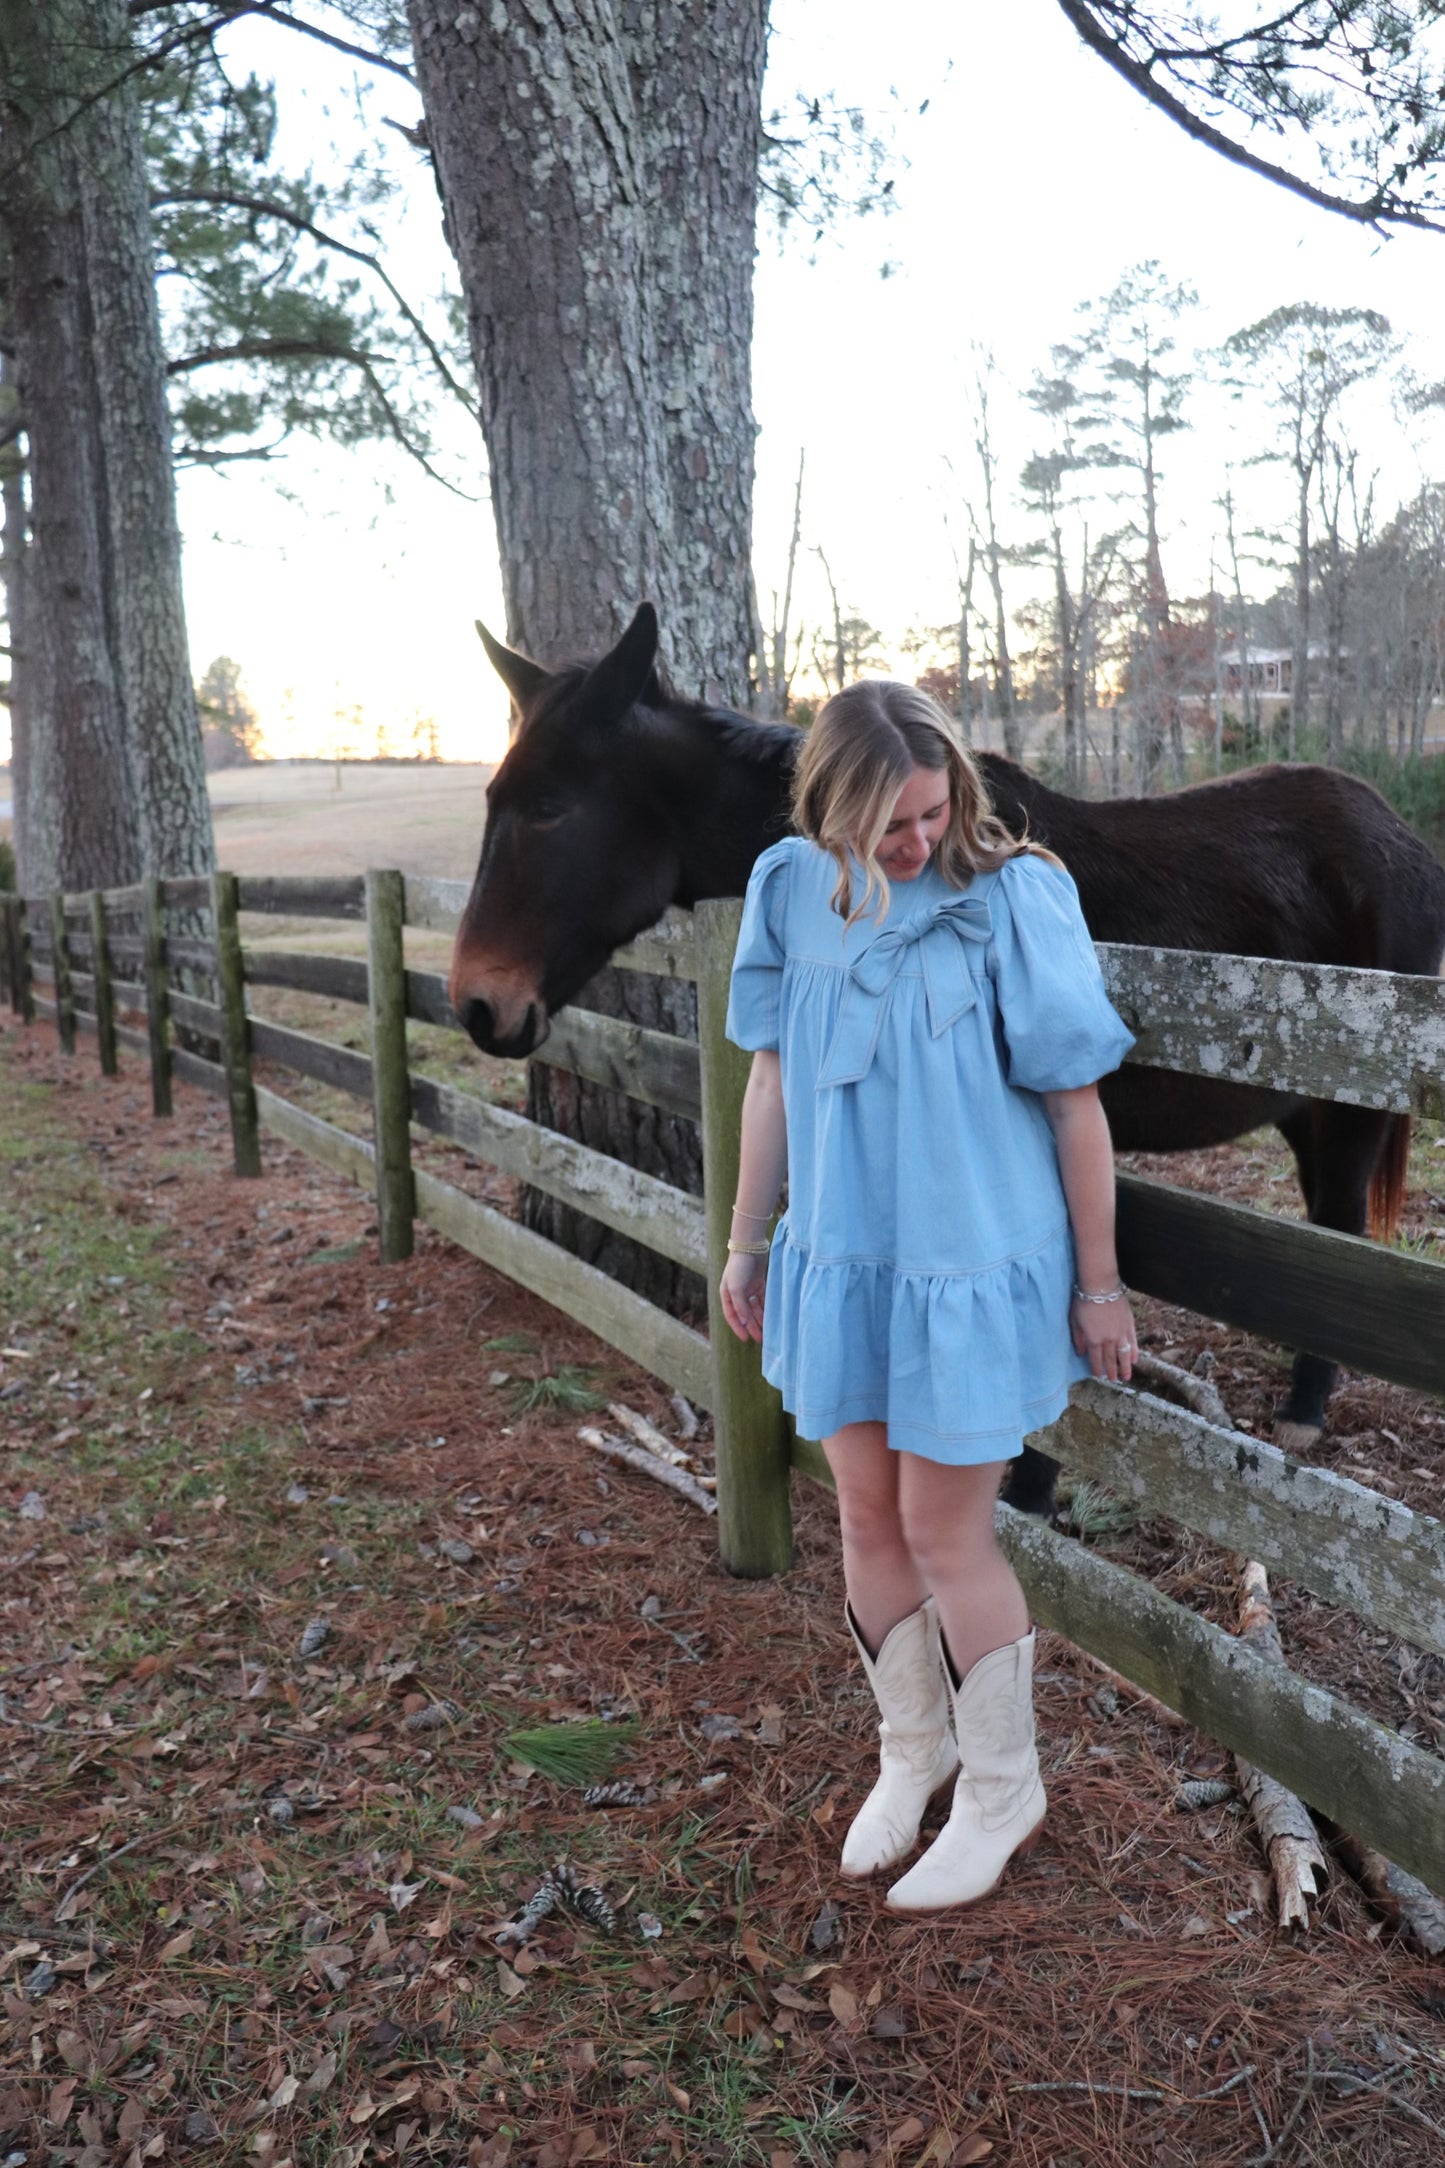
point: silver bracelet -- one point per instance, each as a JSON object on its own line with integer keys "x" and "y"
{"x": 1115, "y": 1294}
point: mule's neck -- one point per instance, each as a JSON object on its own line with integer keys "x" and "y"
{"x": 728, "y": 785}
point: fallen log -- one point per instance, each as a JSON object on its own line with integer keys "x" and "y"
{"x": 1291, "y": 1845}
{"x": 661, "y": 1471}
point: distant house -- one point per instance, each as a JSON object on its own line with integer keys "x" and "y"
{"x": 1271, "y": 669}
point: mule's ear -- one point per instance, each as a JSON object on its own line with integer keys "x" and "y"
{"x": 625, "y": 673}
{"x": 521, "y": 677}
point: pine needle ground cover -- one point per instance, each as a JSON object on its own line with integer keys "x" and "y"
{"x": 315, "y": 1639}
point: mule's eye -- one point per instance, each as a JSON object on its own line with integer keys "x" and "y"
{"x": 546, "y": 810}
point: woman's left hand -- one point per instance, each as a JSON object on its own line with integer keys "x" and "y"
{"x": 1104, "y": 1331}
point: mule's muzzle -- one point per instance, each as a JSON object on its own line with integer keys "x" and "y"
{"x": 511, "y": 1041}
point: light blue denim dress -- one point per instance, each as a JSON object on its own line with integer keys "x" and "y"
{"x": 922, "y": 1272}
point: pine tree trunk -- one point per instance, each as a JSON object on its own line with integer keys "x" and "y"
{"x": 115, "y": 784}
{"x": 14, "y": 547}
{"x": 147, "y": 608}
{"x": 598, "y": 169}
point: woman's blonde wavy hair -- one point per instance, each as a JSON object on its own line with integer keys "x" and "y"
{"x": 859, "y": 753}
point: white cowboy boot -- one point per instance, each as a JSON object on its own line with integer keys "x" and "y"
{"x": 998, "y": 1801}
{"x": 916, "y": 1755}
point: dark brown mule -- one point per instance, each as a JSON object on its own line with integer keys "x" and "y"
{"x": 618, "y": 799}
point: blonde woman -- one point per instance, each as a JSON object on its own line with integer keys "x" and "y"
{"x": 928, "y": 1025}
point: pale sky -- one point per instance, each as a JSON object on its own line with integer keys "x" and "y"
{"x": 1033, "y": 181}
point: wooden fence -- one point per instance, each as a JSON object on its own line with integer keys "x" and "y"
{"x": 1364, "y": 1037}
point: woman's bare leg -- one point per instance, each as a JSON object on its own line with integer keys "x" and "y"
{"x": 946, "y": 1522}
{"x": 883, "y": 1579}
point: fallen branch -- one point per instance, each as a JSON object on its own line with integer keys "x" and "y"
{"x": 648, "y": 1435}
{"x": 1291, "y": 1845}
{"x": 635, "y": 1456}
{"x": 1397, "y": 1896}
{"x": 1189, "y": 1388}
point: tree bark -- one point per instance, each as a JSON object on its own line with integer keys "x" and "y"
{"x": 598, "y": 169}
{"x": 115, "y": 784}
{"x": 14, "y": 547}
{"x": 598, "y": 164}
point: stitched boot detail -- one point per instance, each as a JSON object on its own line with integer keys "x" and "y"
{"x": 916, "y": 1753}
{"x": 998, "y": 1799}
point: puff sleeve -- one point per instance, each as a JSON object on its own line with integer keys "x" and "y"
{"x": 1060, "y": 1030}
{"x": 755, "y": 995}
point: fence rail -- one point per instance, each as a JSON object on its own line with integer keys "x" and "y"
{"x": 1365, "y": 1038}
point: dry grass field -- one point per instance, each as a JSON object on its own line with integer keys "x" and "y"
{"x": 294, "y": 817}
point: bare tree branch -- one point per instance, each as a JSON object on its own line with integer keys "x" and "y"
{"x": 267, "y": 350}
{"x": 1376, "y": 210}
{"x": 264, "y": 207}
{"x": 139, "y": 8}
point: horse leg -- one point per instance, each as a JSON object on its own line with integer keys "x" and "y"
{"x": 1337, "y": 1149}
{"x": 1029, "y": 1484}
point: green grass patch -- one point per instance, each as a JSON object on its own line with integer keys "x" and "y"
{"x": 585, "y": 1753}
{"x": 567, "y": 1390}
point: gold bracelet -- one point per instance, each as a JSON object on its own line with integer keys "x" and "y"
{"x": 749, "y": 1249}
{"x": 761, "y": 1217}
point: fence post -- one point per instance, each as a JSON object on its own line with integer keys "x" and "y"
{"x": 24, "y": 980}
{"x": 235, "y": 1037}
{"x": 7, "y": 952}
{"x": 104, "y": 999}
{"x": 60, "y": 972}
{"x": 755, "y": 1513}
{"x": 390, "y": 1081}
{"x": 158, "y": 996}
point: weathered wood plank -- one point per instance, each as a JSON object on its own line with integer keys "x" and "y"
{"x": 336, "y": 1148}
{"x": 648, "y": 1065}
{"x": 1370, "y": 1038}
{"x": 1334, "y": 1295}
{"x": 304, "y": 896}
{"x": 186, "y": 955}
{"x": 1368, "y": 1779}
{"x": 24, "y": 976}
{"x": 158, "y": 1002}
{"x": 669, "y": 948}
{"x": 60, "y": 973}
{"x": 318, "y": 1058}
{"x": 126, "y": 902}
{"x": 755, "y": 1516}
{"x": 234, "y": 1025}
{"x": 126, "y": 948}
{"x": 137, "y": 1041}
{"x": 390, "y": 1083}
{"x": 195, "y": 1069}
{"x": 196, "y": 1015}
{"x": 1347, "y": 1545}
{"x": 187, "y": 892}
{"x": 647, "y": 1335}
{"x": 652, "y": 1212}
{"x": 340, "y": 978}
{"x": 426, "y": 1000}
{"x": 434, "y": 904}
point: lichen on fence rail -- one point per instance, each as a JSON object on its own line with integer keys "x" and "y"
{"x": 1369, "y": 1038}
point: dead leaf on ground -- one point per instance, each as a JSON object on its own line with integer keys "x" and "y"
{"x": 751, "y": 1950}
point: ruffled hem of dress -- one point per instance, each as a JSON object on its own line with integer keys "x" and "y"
{"x": 961, "y": 1366}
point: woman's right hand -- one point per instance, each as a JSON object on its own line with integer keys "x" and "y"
{"x": 742, "y": 1288}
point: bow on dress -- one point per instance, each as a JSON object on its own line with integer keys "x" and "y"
{"x": 940, "y": 937}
